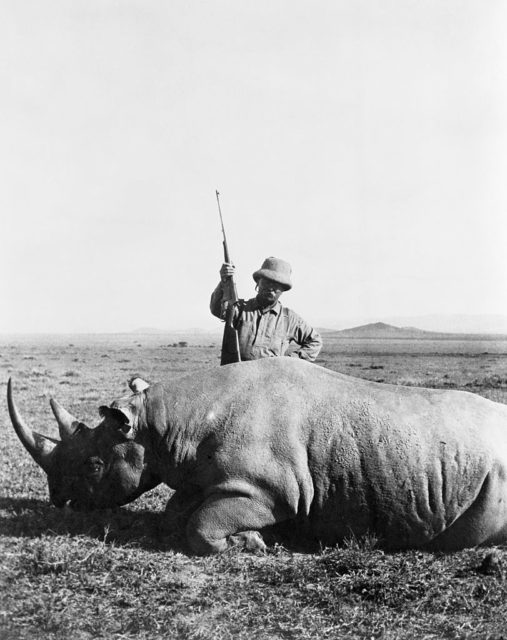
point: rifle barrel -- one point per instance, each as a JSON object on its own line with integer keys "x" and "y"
{"x": 227, "y": 257}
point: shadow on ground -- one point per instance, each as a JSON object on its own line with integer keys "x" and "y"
{"x": 146, "y": 529}
{"x": 31, "y": 518}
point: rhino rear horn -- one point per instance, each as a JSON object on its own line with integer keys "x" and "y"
{"x": 67, "y": 423}
{"x": 38, "y": 446}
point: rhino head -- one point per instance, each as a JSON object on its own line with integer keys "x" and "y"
{"x": 92, "y": 468}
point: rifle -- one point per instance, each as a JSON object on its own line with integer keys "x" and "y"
{"x": 229, "y": 297}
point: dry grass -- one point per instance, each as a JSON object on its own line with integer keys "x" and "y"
{"x": 115, "y": 574}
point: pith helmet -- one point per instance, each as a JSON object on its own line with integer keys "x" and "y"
{"x": 276, "y": 270}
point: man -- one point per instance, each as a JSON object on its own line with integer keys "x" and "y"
{"x": 265, "y": 328}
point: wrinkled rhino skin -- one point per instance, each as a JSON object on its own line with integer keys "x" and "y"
{"x": 249, "y": 445}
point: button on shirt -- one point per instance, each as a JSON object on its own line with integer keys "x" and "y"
{"x": 268, "y": 332}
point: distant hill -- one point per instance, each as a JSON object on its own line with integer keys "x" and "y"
{"x": 379, "y": 330}
{"x": 192, "y": 331}
{"x": 148, "y": 330}
{"x": 479, "y": 324}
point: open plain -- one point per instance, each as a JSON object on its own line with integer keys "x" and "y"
{"x": 120, "y": 575}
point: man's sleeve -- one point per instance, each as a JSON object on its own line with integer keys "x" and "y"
{"x": 215, "y": 304}
{"x": 219, "y": 308}
{"x": 309, "y": 341}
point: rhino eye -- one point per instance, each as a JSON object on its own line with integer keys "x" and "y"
{"x": 94, "y": 466}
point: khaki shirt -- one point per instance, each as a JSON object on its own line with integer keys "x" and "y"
{"x": 266, "y": 333}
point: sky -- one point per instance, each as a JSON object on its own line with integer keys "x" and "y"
{"x": 364, "y": 142}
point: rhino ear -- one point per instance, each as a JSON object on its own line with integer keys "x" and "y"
{"x": 138, "y": 384}
{"x": 122, "y": 419}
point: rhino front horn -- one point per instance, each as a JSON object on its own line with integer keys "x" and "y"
{"x": 38, "y": 446}
{"x": 67, "y": 423}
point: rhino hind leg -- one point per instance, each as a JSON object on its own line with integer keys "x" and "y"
{"x": 226, "y": 520}
{"x": 483, "y": 523}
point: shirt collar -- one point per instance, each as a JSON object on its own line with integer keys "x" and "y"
{"x": 274, "y": 308}
{"x": 252, "y": 305}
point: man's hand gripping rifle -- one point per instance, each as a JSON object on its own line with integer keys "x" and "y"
{"x": 229, "y": 296}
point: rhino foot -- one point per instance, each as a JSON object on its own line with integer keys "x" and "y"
{"x": 249, "y": 540}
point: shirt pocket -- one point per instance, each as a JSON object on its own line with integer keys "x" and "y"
{"x": 279, "y": 345}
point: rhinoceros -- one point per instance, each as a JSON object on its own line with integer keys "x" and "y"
{"x": 253, "y": 444}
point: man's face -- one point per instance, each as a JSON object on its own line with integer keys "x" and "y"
{"x": 269, "y": 291}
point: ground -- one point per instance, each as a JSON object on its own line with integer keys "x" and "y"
{"x": 118, "y": 575}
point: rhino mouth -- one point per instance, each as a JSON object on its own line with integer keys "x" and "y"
{"x": 71, "y": 500}
{"x": 76, "y": 505}
{"x": 59, "y": 503}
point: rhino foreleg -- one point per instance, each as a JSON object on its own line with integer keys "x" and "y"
{"x": 179, "y": 508}
{"x": 223, "y": 521}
